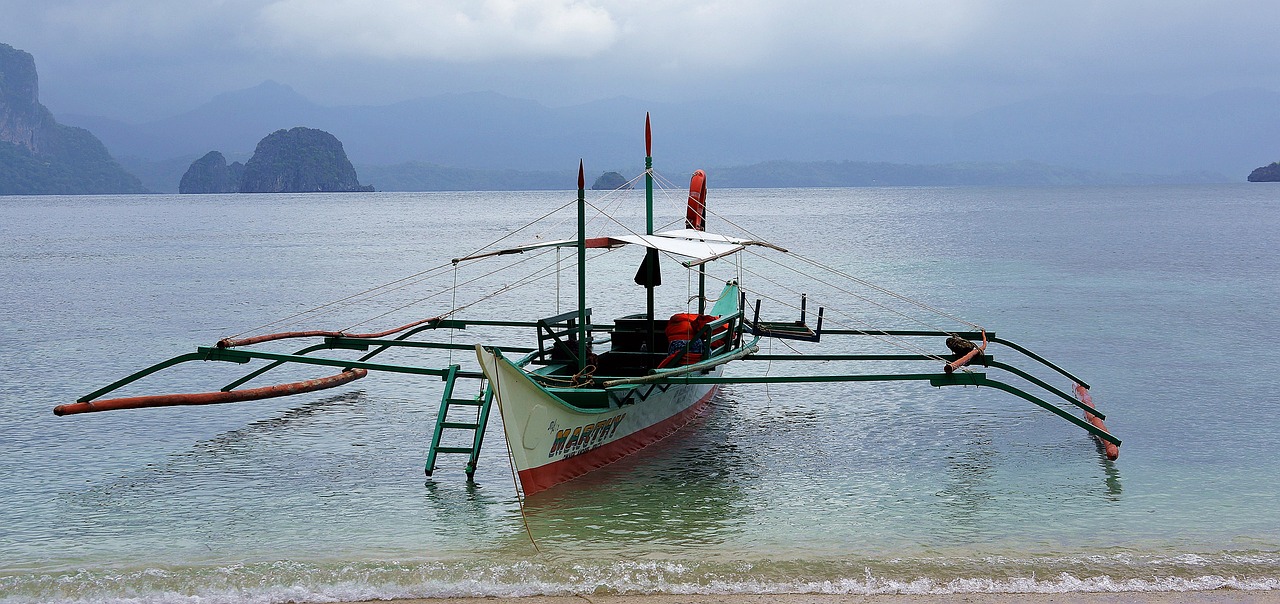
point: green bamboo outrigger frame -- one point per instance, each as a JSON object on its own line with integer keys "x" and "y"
{"x": 453, "y": 373}
{"x": 575, "y": 327}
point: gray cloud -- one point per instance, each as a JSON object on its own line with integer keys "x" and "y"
{"x": 138, "y": 59}
{"x": 487, "y": 30}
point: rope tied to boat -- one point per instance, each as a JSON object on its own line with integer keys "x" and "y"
{"x": 967, "y": 351}
{"x": 535, "y": 275}
{"x": 585, "y": 378}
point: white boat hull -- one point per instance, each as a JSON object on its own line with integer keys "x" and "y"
{"x": 552, "y": 441}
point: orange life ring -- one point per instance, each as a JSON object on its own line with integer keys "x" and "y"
{"x": 696, "y": 216}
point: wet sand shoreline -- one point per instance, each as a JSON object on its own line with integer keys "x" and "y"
{"x": 1217, "y": 596}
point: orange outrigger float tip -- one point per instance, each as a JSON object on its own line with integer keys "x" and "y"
{"x": 1111, "y": 449}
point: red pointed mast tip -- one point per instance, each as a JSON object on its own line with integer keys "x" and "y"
{"x": 582, "y": 181}
{"x": 648, "y": 136}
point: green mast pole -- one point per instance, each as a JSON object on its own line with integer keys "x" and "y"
{"x": 651, "y": 260}
{"x": 582, "y": 269}
{"x": 648, "y": 176}
{"x": 702, "y": 289}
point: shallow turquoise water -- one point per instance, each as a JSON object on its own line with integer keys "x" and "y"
{"x": 1161, "y": 297}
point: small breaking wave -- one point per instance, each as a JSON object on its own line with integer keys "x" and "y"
{"x": 290, "y": 581}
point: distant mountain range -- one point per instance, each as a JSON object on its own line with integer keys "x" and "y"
{"x": 486, "y": 140}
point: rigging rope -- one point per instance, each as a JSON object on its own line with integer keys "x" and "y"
{"x": 511, "y": 463}
{"x": 858, "y": 280}
{"x": 512, "y": 233}
{"x": 423, "y": 274}
{"x": 888, "y": 292}
{"x": 848, "y": 276}
{"x": 537, "y": 275}
{"x": 442, "y": 292}
{"x": 601, "y": 211}
{"x": 614, "y": 193}
{"x": 311, "y": 314}
{"x": 878, "y": 334}
{"x": 850, "y": 293}
{"x": 454, "y": 303}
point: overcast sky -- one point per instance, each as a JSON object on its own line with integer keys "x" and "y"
{"x": 145, "y": 59}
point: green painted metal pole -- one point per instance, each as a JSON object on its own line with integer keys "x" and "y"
{"x": 582, "y": 269}
{"x": 651, "y": 260}
{"x": 238, "y": 355}
{"x": 1042, "y": 360}
{"x": 702, "y": 290}
{"x": 273, "y": 365}
{"x": 182, "y": 358}
{"x": 1088, "y": 427}
{"x": 1047, "y": 386}
{"x": 702, "y": 275}
{"x": 482, "y": 421}
{"x": 648, "y": 176}
{"x": 450, "y": 377}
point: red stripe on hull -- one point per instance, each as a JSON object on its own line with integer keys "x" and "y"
{"x": 549, "y": 475}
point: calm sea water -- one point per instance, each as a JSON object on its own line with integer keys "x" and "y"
{"x": 1162, "y": 297}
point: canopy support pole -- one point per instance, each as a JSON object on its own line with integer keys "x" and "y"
{"x": 651, "y": 259}
{"x": 582, "y": 269}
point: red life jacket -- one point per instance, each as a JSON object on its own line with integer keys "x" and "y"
{"x": 681, "y": 328}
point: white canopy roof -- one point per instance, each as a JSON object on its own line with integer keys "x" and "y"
{"x": 702, "y": 236}
{"x": 701, "y": 247}
{"x": 700, "y": 250}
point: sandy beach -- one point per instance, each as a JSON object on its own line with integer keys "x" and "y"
{"x": 1221, "y": 596}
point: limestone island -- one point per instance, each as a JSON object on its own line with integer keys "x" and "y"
{"x": 610, "y": 181}
{"x": 39, "y": 156}
{"x": 298, "y": 160}
{"x": 1269, "y": 173}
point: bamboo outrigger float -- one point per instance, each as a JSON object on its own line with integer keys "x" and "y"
{"x": 566, "y": 408}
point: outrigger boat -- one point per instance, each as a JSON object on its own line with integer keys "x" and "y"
{"x": 568, "y": 405}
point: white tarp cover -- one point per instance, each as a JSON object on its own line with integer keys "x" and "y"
{"x": 700, "y": 251}
{"x": 698, "y": 245}
{"x": 702, "y": 236}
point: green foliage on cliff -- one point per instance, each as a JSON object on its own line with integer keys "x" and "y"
{"x": 39, "y": 156}
{"x": 609, "y": 181}
{"x": 211, "y": 174}
{"x": 77, "y": 164}
{"x": 1268, "y": 173}
{"x": 299, "y": 160}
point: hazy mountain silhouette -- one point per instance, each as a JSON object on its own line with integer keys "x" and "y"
{"x": 235, "y": 121}
{"x": 1227, "y": 133}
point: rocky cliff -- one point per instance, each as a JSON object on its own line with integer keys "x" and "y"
{"x": 23, "y": 121}
{"x": 211, "y": 174}
{"x": 299, "y": 160}
{"x": 38, "y": 155}
{"x": 1268, "y": 173}
{"x": 609, "y": 181}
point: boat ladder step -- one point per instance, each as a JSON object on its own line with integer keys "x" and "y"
{"x": 460, "y": 425}
{"x": 454, "y": 449}
{"x": 476, "y": 412}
